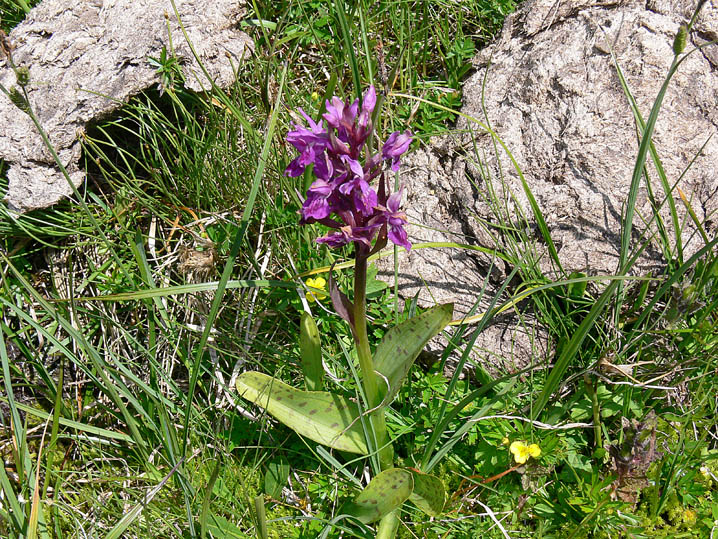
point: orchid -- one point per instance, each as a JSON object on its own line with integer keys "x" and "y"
{"x": 343, "y": 185}
{"x": 350, "y": 195}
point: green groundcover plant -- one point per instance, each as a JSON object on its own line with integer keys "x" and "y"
{"x": 342, "y": 198}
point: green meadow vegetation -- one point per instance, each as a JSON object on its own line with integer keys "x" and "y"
{"x": 129, "y": 313}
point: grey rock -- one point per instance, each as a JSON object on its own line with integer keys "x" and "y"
{"x": 553, "y": 96}
{"x": 86, "y": 59}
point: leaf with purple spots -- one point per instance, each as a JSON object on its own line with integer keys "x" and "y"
{"x": 402, "y": 344}
{"x": 324, "y": 417}
{"x": 386, "y": 492}
{"x": 429, "y": 493}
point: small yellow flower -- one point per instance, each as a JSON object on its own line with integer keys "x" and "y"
{"x": 504, "y": 441}
{"x": 522, "y": 452}
{"x": 319, "y": 282}
{"x": 315, "y": 96}
{"x": 690, "y": 517}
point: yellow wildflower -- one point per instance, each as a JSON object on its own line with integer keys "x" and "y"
{"x": 505, "y": 440}
{"x": 319, "y": 282}
{"x": 522, "y": 452}
{"x": 690, "y": 517}
{"x": 315, "y": 96}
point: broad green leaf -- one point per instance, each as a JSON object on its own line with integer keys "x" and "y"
{"x": 321, "y": 416}
{"x": 401, "y": 345}
{"x": 429, "y": 493}
{"x": 311, "y": 350}
{"x": 387, "y": 491}
{"x": 275, "y": 478}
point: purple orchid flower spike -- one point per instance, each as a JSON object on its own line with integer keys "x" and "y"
{"x": 342, "y": 197}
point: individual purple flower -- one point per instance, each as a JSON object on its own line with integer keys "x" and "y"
{"x": 358, "y": 188}
{"x": 316, "y": 206}
{"x": 311, "y": 144}
{"x": 339, "y": 115}
{"x": 395, "y": 145}
{"x": 348, "y": 234}
{"x": 338, "y": 147}
{"x": 323, "y": 167}
{"x": 367, "y": 108}
{"x": 395, "y": 221}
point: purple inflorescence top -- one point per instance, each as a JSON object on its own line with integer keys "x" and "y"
{"x": 343, "y": 185}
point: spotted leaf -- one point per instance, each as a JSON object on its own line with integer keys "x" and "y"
{"x": 386, "y": 492}
{"x": 401, "y": 345}
{"x": 429, "y": 493}
{"x": 324, "y": 417}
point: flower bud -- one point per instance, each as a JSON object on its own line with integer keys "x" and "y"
{"x": 23, "y": 76}
{"x": 679, "y": 43}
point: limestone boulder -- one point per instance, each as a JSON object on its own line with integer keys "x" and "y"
{"x": 553, "y": 95}
{"x": 87, "y": 58}
{"x": 549, "y": 88}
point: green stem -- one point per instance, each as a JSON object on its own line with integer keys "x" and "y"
{"x": 591, "y": 390}
{"x": 388, "y": 526}
{"x": 362, "y": 340}
{"x": 377, "y": 420}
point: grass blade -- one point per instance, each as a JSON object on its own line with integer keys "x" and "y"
{"x": 340, "y": 11}
{"x": 638, "y": 168}
{"x": 234, "y": 251}
{"x": 119, "y": 529}
{"x": 92, "y": 354}
{"x": 76, "y": 425}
